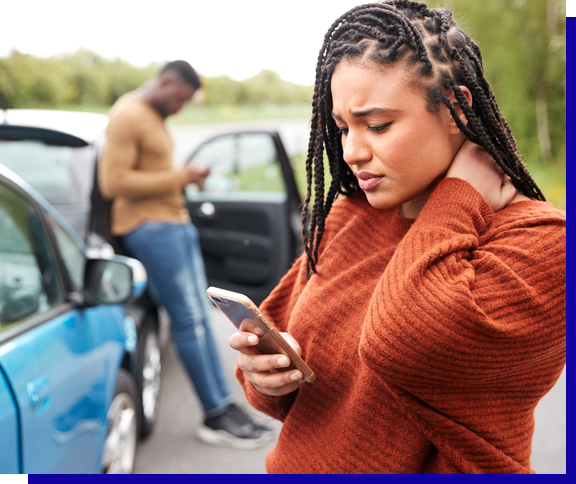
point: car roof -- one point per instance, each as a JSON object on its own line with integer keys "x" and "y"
{"x": 87, "y": 127}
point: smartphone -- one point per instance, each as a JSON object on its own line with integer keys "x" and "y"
{"x": 246, "y": 316}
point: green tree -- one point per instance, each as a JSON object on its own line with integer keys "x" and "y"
{"x": 523, "y": 43}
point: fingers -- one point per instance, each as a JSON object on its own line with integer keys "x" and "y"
{"x": 292, "y": 342}
{"x": 197, "y": 174}
{"x": 507, "y": 193}
{"x": 243, "y": 342}
{"x": 262, "y": 371}
{"x": 262, "y": 363}
{"x": 475, "y": 165}
{"x": 276, "y": 384}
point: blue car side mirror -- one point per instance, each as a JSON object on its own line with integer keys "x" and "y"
{"x": 139, "y": 276}
{"x": 113, "y": 280}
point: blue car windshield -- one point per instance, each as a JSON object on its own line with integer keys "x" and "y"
{"x": 60, "y": 174}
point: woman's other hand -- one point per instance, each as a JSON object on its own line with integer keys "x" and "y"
{"x": 475, "y": 165}
{"x": 261, "y": 370}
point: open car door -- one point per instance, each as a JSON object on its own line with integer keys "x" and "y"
{"x": 247, "y": 212}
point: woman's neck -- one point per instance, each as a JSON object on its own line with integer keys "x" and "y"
{"x": 412, "y": 208}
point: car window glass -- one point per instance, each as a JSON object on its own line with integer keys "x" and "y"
{"x": 28, "y": 283}
{"x": 241, "y": 165}
{"x": 59, "y": 173}
{"x": 74, "y": 259}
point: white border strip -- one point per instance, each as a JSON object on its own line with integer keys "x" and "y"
{"x": 570, "y": 8}
{"x": 14, "y": 478}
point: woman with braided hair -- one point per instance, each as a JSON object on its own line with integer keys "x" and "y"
{"x": 430, "y": 299}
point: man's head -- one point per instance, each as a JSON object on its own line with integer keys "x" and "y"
{"x": 174, "y": 86}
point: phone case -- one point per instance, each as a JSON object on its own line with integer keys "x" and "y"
{"x": 246, "y": 316}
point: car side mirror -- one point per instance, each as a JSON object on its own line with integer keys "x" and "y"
{"x": 113, "y": 280}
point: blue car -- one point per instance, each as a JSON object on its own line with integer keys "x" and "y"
{"x": 68, "y": 397}
{"x": 55, "y": 152}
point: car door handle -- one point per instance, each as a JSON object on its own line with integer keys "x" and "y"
{"x": 38, "y": 390}
{"x": 207, "y": 210}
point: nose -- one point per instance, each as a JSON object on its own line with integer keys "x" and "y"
{"x": 355, "y": 148}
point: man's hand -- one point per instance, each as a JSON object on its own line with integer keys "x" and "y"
{"x": 196, "y": 174}
{"x": 475, "y": 165}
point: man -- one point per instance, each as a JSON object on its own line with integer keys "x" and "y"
{"x": 150, "y": 217}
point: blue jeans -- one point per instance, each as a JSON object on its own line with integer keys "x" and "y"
{"x": 176, "y": 279}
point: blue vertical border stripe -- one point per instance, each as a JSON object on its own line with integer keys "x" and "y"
{"x": 570, "y": 168}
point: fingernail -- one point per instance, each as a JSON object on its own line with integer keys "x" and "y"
{"x": 283, "y": 361}
{"x": 259, "y": 331}
{"x": 295, "y": 376}
{"x": 253, "y": 339}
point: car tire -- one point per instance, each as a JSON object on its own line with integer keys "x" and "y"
{"x": 149, "y": 375}
{"x": 122, "y": 436}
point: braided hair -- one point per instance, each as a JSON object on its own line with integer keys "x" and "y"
{"x": 443, "y": 57}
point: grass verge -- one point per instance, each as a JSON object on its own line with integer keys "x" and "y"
{"x": 202, "y": 114}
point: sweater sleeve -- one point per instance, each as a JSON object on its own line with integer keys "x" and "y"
{"x": 467, "y": 326}
{"x": 118, "y": 174}
{"x": 458, "y": 302}
{"x": 276, "y": 308}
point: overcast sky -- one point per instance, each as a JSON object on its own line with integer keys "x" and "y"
{"x": 233, "y": 37}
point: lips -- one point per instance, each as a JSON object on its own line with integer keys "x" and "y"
{"x": 367, "y": 181}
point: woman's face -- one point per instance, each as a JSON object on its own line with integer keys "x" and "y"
{"x": 397, "y": 149}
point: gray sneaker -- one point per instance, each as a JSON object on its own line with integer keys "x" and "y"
{"x": 234, "y": 428}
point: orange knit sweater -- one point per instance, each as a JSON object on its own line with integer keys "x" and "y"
{"x": 432, "y": 339}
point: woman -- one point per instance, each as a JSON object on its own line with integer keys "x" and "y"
{"x": 430, "y": 300}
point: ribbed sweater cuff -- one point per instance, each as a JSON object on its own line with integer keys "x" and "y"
{"x": 275, "y": 407}
{"x": 455, "y": 202}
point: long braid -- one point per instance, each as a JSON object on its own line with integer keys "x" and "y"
{"x": 315, "y": 146}
{"x": 505, "y": 144}
{"x": 446, "y": 58}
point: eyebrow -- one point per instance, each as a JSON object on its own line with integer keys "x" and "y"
{"x": 367, "y": 112}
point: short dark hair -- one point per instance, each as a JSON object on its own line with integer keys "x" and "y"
{"x": 185, "y": 71}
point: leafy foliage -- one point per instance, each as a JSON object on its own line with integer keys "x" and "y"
{"x": 80, "y": 78}
{"x": 523, "y": 44}
{"x": 84, "y": 78}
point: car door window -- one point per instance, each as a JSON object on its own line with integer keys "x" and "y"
{"x": 60, "y": 174}
{"x": 74, "y": 259}
{"x": 28, "y": 282}
{"x": 244, "y": 166}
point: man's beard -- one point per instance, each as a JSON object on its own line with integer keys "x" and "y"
{"x": 162, "y": 110}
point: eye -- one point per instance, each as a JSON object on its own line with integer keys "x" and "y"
{"x": 342, "y": 130}
{"x": 380, "y": 127}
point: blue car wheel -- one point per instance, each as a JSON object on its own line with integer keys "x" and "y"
{"x": 122, "y": 438}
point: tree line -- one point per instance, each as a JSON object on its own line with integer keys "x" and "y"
{"x": 85, "y": 78}
{"x": 523, "y": 44}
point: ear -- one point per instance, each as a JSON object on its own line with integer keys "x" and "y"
{"x": 456, "y": 104}
{"x": 164, "y": 80}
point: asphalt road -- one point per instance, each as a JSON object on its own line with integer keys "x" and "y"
{"x": 172, "y": 448}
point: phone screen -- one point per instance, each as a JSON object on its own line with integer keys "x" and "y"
{"x": 235, "y": 311}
